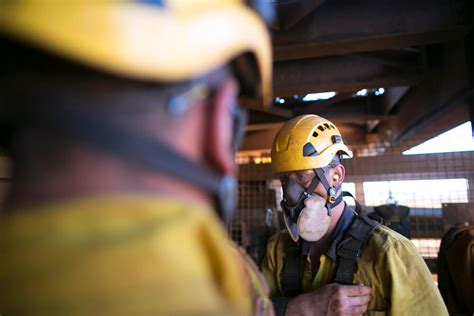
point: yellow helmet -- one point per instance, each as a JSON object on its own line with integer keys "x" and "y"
{"x": 306, "y": 142}
{"x": 166, "y": 41}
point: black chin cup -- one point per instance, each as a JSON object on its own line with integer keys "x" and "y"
{"x": 292, "y": 190}
{"x": 293, "y": 211}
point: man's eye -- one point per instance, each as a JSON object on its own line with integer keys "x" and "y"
{"x": 305, "y": 177}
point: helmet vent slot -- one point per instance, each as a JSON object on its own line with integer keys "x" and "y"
{"x": 309, "y": 150}
{"x": 315, "y": 134}
{"x": 336, "y": 139}
{"x": 321, "y": 128}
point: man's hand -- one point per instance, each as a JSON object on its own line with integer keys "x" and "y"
{"x": 331, "y": 299}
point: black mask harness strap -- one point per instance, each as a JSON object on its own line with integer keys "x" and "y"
{"x": 102, "y": 134}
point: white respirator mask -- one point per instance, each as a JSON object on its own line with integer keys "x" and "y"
{"x": 306, "y": 214}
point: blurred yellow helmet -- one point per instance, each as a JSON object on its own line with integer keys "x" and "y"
{"x": 166, "y": 41}
{"x": 306, "y": 142}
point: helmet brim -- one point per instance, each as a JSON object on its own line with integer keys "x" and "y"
{"x": 140, "y": 41}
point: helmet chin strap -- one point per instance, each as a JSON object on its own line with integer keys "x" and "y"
{"x": 102, "y": 134}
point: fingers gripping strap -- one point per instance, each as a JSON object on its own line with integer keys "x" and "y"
{"x": 351, "y": 248}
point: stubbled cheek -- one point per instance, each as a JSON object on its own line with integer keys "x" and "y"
{"x": 306, "y": 184}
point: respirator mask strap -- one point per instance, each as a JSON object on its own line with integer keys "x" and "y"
{"x": 331, "y": 191}
{"x": 105, "y": 135}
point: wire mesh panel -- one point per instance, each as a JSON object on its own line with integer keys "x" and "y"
{"x": 437, "y": 189}
{"x": 255, "y": 196}
{"x": 254, "y": 219}
{"x": 423, "y": 183}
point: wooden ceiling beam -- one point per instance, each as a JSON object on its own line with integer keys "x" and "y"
{"x": 392, "y": 96}
{"x": 341, "y": 74}
{"x": 440, "y": 94}
{"x": 345, "y": 26}
{"x": 367, "y": 43}
{"x": 295, "y": 14}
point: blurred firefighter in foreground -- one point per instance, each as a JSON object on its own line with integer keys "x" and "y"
{"x": 327, "y": 244}
{"x": 122, "y": 121}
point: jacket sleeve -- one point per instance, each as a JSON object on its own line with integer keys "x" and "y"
{"x": 412, "y": 290}
{"x": 269, "y": 266}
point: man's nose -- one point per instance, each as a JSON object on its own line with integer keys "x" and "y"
{"x": 296, "y": 177}
{"x": 300, "y": 179}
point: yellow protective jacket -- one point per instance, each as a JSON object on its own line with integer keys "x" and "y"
{"x": 390, "y": 264}
{"x": 120, "y": 256}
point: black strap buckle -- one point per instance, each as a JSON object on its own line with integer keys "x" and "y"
{"x": 346, "y": 252}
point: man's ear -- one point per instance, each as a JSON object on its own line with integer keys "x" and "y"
{"x": 220, "y": 129}
{"x": 337, "y": 175}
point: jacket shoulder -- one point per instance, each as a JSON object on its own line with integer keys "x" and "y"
{"x": 384, "y": 238}
{"x": 279, "y": 238}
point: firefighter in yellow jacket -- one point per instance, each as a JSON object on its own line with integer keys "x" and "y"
{"x": 122, "y": 122}
{"x": 330, "y": 259}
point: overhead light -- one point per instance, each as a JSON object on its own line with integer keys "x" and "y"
{"x": 279, "y": 100}
{"x": 319, "y": 96}
{"x": 379, "y": 91}
{"x": 362, "y": 93}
